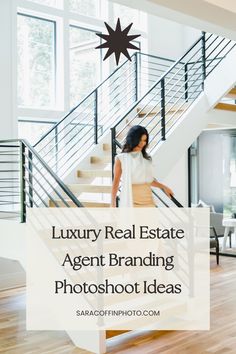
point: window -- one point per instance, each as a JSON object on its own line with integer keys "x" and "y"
{"x": 33, "y": 130}
{"x": 51, "y": 77}
{"x": 52, "y": 3}
{"x": 36, "y": 62}
{"x": 213, "y": 158}
{"x": 85, "y": 63}
{"x": 128, "y": 15}
{"x": 85, "y": 7}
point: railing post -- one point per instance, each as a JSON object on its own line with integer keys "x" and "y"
{"x": 113, "y": 149}
{"x": 136, "y": 77}
{"x": 186, "y": 82}
{"x": 56, "y": 150}
{"x": 30, "y": 179}
{"x": 163, "y": 112}
{"x": 22, "y": 183}
{"x": 96, "y": 116}
{"x": 203, "y": 58}
{"x": 113, "y": 154}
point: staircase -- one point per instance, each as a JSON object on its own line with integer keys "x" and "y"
{"x": 227, "y": 103}
{"x": 77, "y": 154}
{"x": 176, "y": 108}
{"x": 70, "y": 142}
{"x": 94, "y": 184}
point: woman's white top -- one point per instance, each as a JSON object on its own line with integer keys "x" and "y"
{"x": 135, "y": 170}
{"x": 141, "y": 168}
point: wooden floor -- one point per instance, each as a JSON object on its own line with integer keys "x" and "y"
{"x": 221, "y": 339}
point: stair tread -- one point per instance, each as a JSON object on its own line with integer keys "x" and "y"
{"x": 226, "y": 106}
{"x": 84, "y": 202}
{"x": 88, "y": 184}
{"x": 94, "y": 201}
{"x": 170, "y": 108}
{"x": 81, "y": 199}
{"x": 106, "y": 146}
{"x": 93, "y": 169}
{"x": 81, "y": 188}
{"x": 231, "y": 93}
{"x": 103, "y": 159}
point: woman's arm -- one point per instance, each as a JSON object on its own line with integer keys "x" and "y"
{"x": 166, "y": 189}
{"x": 116, "y": 182}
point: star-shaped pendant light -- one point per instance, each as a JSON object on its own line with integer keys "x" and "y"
{"x": 117, "y": 41}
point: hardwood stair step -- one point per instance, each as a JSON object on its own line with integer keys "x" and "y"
{"x": 137, "y": 120}
{"x": 94, "y": 173}
{"x": 61, "y": 204}
{"x": 89, "y": 188}
{"x": 86, "y": 203}
{"x": 151, "y": 128}
{"x": 115, "y": 333}
{"x": 100, "y": 159}
{"x": 157, "y": 109}
{"x": 95, "y": 204}
{"x": 106, "y": 147}
{"x": 168, "y": 115}
{"x": 231, "y": 93}
{"x": 226, "y": 106}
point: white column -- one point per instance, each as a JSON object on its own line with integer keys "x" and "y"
{"x": 8, "y": 122}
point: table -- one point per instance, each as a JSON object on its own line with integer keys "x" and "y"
{"x": 229, "y": 224}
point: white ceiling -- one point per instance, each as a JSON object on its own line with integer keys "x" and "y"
{"x": 208, "y": 15}
{"x": 229, "y": 5}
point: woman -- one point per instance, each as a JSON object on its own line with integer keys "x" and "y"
{"x": 134, "y": 166}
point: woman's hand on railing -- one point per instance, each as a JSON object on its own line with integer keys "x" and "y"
{"x": 168, "y": 191}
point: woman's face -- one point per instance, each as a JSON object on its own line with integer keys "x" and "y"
{"x": 143, "y": 141}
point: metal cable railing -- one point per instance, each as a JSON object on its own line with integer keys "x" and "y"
{"x": 169, "y": 97}
{"x": 74, "y": 135}
{"x": 150, "y": 90}
{"x": 26, "y": 181}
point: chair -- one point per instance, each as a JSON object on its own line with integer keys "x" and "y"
{"x": 216, "y": 221}
{"x": 216, "y": 228}
{"x": 214, "y": 242}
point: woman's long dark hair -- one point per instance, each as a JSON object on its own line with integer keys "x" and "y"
{"x": 133, "y": 138}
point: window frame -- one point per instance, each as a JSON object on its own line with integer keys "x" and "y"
{"x": 54, "y": 58}
{"x": 99, "y": 7}
{"x": 74, "y": 25}
{"x": 63, "y": 19}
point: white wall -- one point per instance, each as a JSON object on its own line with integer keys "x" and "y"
{"x": 165, "y": 38}
{"x": 190, "y": 35}
{"x": 177, "y": 179}
{"x": 171, "y": 39}
{"x": 168, "y": 38}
